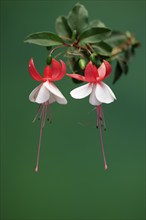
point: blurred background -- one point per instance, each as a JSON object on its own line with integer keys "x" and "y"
{"x": 71, "y": 182}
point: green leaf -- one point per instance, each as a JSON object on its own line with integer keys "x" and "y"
{"x": 94, "y": 35}
{"x": 62, "y": 27}
{"x": 116, "y": 39}
{"x": 133, "y": 47}
{"x": 118, "y": 73}
{"x": 102, "y": 48}
{"x": 128, "y": 54}
{"x": 133, "y": 50}
{"x": 78, "y": 18}
{"x": 44, "y": 39}
{"x": 96, "y": 23}
{"x": 123, "y": 65}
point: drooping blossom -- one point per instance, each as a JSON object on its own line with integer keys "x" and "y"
{"x": 46, "y": 93}
{"x": 99, "y": 92}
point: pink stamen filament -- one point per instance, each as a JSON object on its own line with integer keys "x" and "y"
{"x": 45, "y": 113}
{"x": 43, "y": 118}
{"x": 99, "y": 116}
{"x": 38, "y": 111}
{"x": 48, "y": 113}
{"x": 103, "y": 119}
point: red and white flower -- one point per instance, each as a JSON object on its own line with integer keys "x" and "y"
{"x": 99, "y": 92}
{"x": 46, "y": 93}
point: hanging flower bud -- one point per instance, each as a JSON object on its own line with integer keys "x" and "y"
{"x": 93, "y": 57}
{"x": 49, "y": 60}
{"x": 82, "y": 64}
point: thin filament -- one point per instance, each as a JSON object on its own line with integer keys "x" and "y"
{"x": 103, "y": 119}
{"x": 49, "y": 116}
{"x": 99, "y": 109}
{"x": 38, "y": 111}
{"x": 40, "y": 137}
{"x": 45, "y": 113}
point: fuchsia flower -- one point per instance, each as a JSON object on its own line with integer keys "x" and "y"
{"x": 99, "y": 92}
{"x": 46, "y": 93}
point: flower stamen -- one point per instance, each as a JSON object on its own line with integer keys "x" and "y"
{"x": 38, "y": 111}
{"x": 99, "y": 113}
{"x": 43, "y": 119}
{"x": 49, "y": 114}
{"x": 103, "y": 120}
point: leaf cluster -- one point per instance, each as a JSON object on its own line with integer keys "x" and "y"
{"x": 89, "y": 40}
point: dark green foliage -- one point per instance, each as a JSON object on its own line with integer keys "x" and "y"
{"x": 90, "y": 40}
{"x": 63, "y": 28}
{"x": 78, "y": 18}
{"x": 102, "y": 49}
{"x": 44, "y": 39}
{"x": 94, "y": 35}
{"x": 121, "y": 67}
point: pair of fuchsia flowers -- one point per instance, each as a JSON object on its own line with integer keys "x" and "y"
{"x": 47, "y": 93}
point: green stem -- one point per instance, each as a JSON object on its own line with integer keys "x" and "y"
{"x": 58, "y": 47}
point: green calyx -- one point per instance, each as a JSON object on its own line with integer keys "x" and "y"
{"x": 49, "y": 60}
{"x": 93, "y": 57}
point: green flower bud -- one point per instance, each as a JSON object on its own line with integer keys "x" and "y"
{"x": 93, "y": 57}
{"x": 82, "y": 64}
{"x": 49, "y": 60}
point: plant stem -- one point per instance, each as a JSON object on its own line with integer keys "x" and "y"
{"x": 58, "y": 47}
{"x": 124, "y": 46}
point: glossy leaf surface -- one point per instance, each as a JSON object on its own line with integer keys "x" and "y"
{"x": 44, "y": 39}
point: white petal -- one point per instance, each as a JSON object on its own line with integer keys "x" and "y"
{"x": 40, "y": 94}
{"x": 111, "y": 92}
{"x": 62, "y": 100}
{"x": 103, "y": 93}
{"x": 82, "y": 91}
{"x": 53, "y": 89}
{"x": 51, "y": 99}
{"x": 33, "y": 94}
{"x": 92, "y": 99}
{"x": 56, "y": 94}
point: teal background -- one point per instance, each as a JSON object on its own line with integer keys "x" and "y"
{"x": 71, "y": 183}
